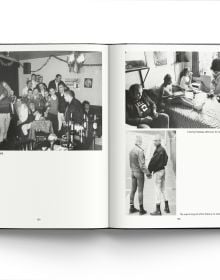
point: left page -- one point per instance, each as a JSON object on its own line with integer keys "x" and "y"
{"x": 53, "y": 136}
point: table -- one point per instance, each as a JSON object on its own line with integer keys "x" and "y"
{"x": 183, "y": 117}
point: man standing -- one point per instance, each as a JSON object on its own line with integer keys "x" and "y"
{"x": 62, "y": 104}
{"x": 74, "y": 111}
{"x": 33, "y": 81}
{"x": 27, "y": 88}
{"x": 157, "y": 167}
{"x": 55, "y": 83}
{"x": 138, "y": 169}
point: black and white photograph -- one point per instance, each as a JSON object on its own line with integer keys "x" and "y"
{"x": 151, "y": 172}
{"x": 179, "y": 89}
{"x": 44, "y": 103}
{"x": 88, "y": 83}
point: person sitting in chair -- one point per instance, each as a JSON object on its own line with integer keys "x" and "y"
{"x": 141, "y": 111}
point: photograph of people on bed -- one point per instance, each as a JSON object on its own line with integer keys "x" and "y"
{"x": 182, "y": 92}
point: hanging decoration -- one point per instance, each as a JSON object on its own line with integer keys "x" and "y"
{"x": 75, "y": 61}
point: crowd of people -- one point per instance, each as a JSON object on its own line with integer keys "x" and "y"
{"x": 37, "y": 101}
{"x": 144, "y": 111}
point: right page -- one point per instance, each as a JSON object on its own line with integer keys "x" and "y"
{"x": 164, "y": 136}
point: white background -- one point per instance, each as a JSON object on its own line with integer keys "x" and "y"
{"x": 143, "y": 254}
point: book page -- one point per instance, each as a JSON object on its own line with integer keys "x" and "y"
{"x": 53, "y": 136}
{"x": 164, "y": 135}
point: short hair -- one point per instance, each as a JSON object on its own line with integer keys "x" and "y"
{"x": 28, "y": 81}
{"x": 30, "y": 89}
{"x": 215, "y": 64}
{"x": 70, "y": 92}
{"x": 40, "y": 111}
{"x": 85, "y": 102}
{"x": 36, "y": 88}
{"x": 58, "y": 75}
{"x": 33, "y": 74}
{"x": 51, "y": 88}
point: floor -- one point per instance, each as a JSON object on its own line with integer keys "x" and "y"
{"x": 149, "y": 196}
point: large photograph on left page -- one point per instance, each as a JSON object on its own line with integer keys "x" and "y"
{"x": 53, "y": 136}
{"x": 50, "y": 100}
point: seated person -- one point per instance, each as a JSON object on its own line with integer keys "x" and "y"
{"x": 141, "y": 111}
{"x": 215, "y": 85}
{"x": 165, "y": 90}
{"x": 169, "y": 97}
{"x": 40, "y": 124}
{"x": 186, "y": 80}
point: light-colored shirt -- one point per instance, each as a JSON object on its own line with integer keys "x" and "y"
{"x": 185, "y": 83}
{"x": 34, "y": 84}
{"x": 216, "y": 84}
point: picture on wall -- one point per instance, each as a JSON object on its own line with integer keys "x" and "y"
{"x": 160, "y": 58}
{"x": 88, "y": 83}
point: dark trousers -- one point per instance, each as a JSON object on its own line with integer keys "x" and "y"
{"x": 162, "y": 121}
{"x": 54, "y": 119}
{"x": 137, "y": 183}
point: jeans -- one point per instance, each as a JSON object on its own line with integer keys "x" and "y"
{"x": 137, "y": 183}
{"x": 54, "y": 119}
{"x": 159, "y": 183}
{"x": 162, "y": 121}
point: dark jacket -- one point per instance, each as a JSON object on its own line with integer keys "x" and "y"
{"x": 141, "y": 109}
{"x": 137, "y": 160}
{"x": 62, "y": 104}
{"x": 158, "y": 160}
{"x": 52, "y": 84}
{"x": 74, "y": 111}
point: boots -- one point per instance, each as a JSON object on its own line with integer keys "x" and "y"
{"x": 142, "y": 211}
{"x": 132, "y": 209}
{"x": 166, "y": 209}
{"x": 157, "y": 212}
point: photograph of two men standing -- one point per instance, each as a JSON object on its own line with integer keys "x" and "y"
{"x": 151, "y": 173}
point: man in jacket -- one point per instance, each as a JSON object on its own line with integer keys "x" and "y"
{"x": 157, "y": 166}
{"x": 74, "y": 110}
{"x": 141, "y": 111}
{"x": 138, "y": 169}
{"x": 55, "y": 83}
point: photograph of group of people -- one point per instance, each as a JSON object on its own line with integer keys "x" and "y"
{"x": 41, "y": 108}
{"x": 172, "y": 89}
{"x": 151, "y": 172}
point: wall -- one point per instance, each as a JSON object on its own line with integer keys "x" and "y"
{"x": 156, "y": 73}
{"x": 93, "y": 95}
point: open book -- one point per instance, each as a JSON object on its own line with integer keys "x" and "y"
{"x": 109, "y": 136}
